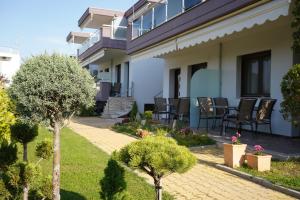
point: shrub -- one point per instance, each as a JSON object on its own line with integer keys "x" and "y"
{"x": 24, "y": 132}
{"x": 44, "y": 149}
{"x": 157, "y": 156}
{"x": 52, "y": 88}
{"x": 148, "y": 115}
{"x": 7, "y": 117}
{"x": 8, "y": 155}
{"x": 134, "y": 112}
{"x": 290, "y": 89}
{"x": 296, "y": 25}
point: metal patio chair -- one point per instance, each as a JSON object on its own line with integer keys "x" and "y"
{"x": 173, "y": 106}
{"x": 206, "y": 110}
{"x": 160, "y": 106}
{"x": 221, "y": 108}
{"x": 183, "y": 110}
{"x": 244, "y": 114}
{"x": 264, "y": 113}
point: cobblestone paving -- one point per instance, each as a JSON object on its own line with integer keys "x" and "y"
{"x": 203, "y": 181}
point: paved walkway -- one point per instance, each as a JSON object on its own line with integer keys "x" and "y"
{"x": 203, "y": 181}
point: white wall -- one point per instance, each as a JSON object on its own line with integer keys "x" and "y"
{"x": 147, "y": 78}
{"x": 9, "y": 66}
{"x": 274, "y": 36}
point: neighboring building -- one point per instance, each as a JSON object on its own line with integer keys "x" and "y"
{"x": 228, "y": 48}
{"x": 10, "y": 62}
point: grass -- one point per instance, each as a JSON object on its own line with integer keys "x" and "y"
{"x": 127, "y": 128}
{"x": 193, "y": 140}
{"x": 82, "y": 168}
{"x": 284, "y": 173}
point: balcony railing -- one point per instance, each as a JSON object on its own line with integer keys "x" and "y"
{"x": 113, "y": 32}
{"x": 95, "y": 37}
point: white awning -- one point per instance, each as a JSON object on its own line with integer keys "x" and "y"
{"x": 270, "y": 11}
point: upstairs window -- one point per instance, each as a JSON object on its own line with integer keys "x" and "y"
{"x": 136, "y": 28}
{"x": 147, "y": 22}
{"x": 256, "y": 74}
{"x": 159, "y": 14}
{"x": 174, "y": 8}
{"x": 190, "y": 3}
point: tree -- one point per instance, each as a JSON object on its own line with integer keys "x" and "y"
{"x": 158, "y": 156}
{"x": 24, "y": 133}
{"x": 51, "y": 88}
{"x": 290, "y": 89}
{"x": 7, "y": 117}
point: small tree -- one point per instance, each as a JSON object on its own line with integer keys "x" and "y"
{"x": 296, "y": 25}
{"x": 158, "y": 156}
{"x": 52, "y": 88}
{"x": 290, "y": 89}
{"x": 24, "y": 133}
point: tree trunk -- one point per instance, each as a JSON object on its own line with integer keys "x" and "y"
{"x": 56, "y": 163}
{"x": 158, "y": 188}
{"x": 25, "y": 159}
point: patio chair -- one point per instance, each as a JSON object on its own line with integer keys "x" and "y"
{"x": 221, "y": 108}
{"x": 206, "y": 110}
{"x": 116, "y": 89}
{"x": 183, "y": 110}
{"x": 264, "y": 113}
{"x": 173, "y": 106}
{"x": 160, "y": 106}
{"x": 244, "y": 115}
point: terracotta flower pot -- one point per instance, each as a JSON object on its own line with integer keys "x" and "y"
{"x": 259, "y": 162}
{"x": 234, "y": 154}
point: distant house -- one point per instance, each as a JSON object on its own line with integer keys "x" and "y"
{"x": 192, "y": 48}
{"x": 10, "y": 62}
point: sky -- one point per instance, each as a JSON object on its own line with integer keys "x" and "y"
{"x": 38, "y": 26}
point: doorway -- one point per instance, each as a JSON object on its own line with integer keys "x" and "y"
{"x": 118, "y": 73}
{"x": 174, "y": 83}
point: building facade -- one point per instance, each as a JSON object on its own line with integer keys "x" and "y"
{"x": 196, "y": 48}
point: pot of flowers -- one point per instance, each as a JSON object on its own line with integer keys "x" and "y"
{"x": 259, "y": 160}
{"x": 234, "y": 154}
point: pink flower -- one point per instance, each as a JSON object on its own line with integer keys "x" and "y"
{"x": 238, "y": 134}
{"x": 234, "y": 139}
{"x": 258, "y": 148}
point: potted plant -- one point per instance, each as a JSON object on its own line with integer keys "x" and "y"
{"x": 234, "y": 153}
{"x": 259, "y": 160}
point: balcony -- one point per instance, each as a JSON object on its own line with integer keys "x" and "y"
{"x": 107, "y": 37}
{"x": 165, "y": 20}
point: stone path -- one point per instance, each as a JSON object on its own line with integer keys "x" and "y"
{"x": 203, "y": 181}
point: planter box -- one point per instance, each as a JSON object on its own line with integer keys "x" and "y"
{"x": 259, "y": 162}
{"x": 234, "y": 154}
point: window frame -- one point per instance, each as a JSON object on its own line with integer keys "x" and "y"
{"x": 259, "y": 56}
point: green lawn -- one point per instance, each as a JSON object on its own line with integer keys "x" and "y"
{"x": 284, "y": 173}
{"x": 82, "y": 168}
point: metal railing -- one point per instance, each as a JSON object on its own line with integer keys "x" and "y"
{"x": 119, "y": 32}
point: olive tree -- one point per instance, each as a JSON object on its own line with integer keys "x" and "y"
{"x": 51, "y": 88}
{"x": 158, "y": 156}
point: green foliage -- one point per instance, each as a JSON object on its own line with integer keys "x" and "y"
{"x": 160, "y": 154}
{"x": 7, "y": 117}
{"x": 51, "y": 87}
{"x": 113, "y": 182}
{"x": 192, "y": 140}
{"x": 296, "y": 25}
{"x": 161, "y": 132}
{"x": 43, "y": 190}
{"x": 128, "y": 128}
{"x": 148, "y": 115}
{"x": 4, "y": 193}
{"x": 133, "y": 112}
{"x": 8, "y": 155}
{"x": 87, "y": 112}
{"x": 290, "y": 89}
{"x": 44, "y": 149}
{"x": 24, "y": 132}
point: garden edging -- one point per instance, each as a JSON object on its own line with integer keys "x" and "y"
{"x": 259, "y": 181}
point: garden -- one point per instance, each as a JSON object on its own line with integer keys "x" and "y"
{"x": 145, "y": 125}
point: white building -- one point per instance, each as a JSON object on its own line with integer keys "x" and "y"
{"x": 10, "y": 62}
